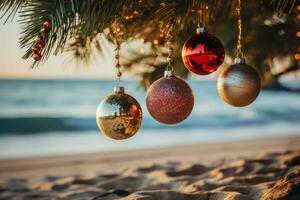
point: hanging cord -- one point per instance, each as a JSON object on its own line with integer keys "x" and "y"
{"x": 169, "y": 40}
{"x": 116, "y": 38}
{"x": 239, "y": 21}
{"x": 202, "y": 14}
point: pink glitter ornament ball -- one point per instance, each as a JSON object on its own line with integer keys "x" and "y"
{"x": 170, "y": 99}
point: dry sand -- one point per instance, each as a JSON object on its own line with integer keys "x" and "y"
{"x": 241, "y": 170}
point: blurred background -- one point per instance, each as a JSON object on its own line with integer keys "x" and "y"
{"x": 50, "y": 110}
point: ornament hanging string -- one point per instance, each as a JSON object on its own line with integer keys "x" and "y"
{"x": 115, "y": 33}
{"x": 202, "y": 14}
{"x": 239, "y": 21}
{"x": 169, "y": 40}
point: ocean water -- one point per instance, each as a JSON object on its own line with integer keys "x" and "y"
{"x": 54, "y": 117}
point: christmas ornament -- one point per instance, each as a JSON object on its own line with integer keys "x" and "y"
{"x": 239, "y": 84}
{"x": 203, "y": 53}
{"x": 39, "y": 43}
{"x": 119, "y": 116}
{"x": 170, "y": 99}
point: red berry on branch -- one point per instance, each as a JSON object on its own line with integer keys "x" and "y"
{"x": 43, "y": 30}
{"x": 38, "y": 40}
{"x": 41, "y": 45}
{"x": 36, "y": 49}
{"x": 37, "y": 56}
{"x": 47, "y": 24}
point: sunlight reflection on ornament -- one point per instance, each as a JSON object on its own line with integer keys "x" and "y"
{"x": 119, "y": 116}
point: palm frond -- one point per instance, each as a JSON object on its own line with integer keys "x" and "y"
{"x": 77, "y": 24}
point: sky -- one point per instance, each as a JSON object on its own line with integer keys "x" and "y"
{"x": 13, "y": 66}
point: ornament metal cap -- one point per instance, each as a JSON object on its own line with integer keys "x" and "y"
{"x": 119, "y": 89}
{"x": 169, "y": 73}
{"x": 201, "y": 29}
{"x": 240, "y": 60}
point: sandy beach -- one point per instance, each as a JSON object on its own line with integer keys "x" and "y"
{"x": 231, "y": 170}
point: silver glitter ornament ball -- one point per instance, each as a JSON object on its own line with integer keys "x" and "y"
{"x": 239, "y": 84}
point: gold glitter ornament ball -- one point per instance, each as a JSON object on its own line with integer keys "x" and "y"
{"x": 239, "y": 84}
{"x": 119, "y": 116}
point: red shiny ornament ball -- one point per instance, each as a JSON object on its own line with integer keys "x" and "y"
{"x": 203, "y": 53}
{"x": 170, "y": 100}
{"x": 37, "y": 56}
{"x": 47, "y": 24}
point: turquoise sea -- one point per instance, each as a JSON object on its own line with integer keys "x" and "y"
{"x": 54, "y": 117}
